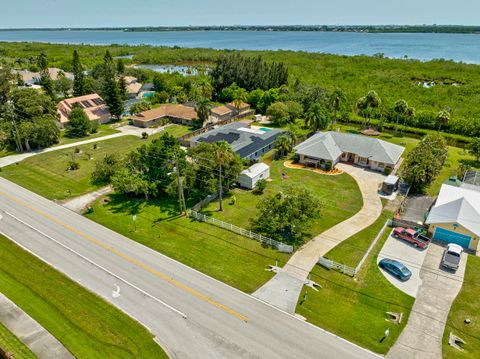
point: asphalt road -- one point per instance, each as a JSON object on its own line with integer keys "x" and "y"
{"x": 221, "y": 322}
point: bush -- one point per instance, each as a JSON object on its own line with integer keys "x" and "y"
{"x": 144, "y": 135}
{"x": 328, "y": 166}
{"x": 387, "y": 170}
{"x": 73, "y": 165}
{"x": 296, "y": 158}
{"x": 78, "y": 123}
{"x": 76, "y": 150}
{"x": 260, "y": 186}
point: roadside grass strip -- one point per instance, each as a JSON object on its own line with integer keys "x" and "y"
{"x": 84, "y": 323}
{"x": 9, "y": 343}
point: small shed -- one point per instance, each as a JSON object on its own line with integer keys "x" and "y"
{"x": 249, "y": 177}
{"x": 390, "y": 184}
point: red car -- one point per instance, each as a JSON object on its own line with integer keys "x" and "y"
{"x": 413, "y": 236}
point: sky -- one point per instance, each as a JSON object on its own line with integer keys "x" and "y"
{"x": 118, "y": 13}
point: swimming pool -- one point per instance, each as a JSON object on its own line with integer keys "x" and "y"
{"x": 265, "y": 129}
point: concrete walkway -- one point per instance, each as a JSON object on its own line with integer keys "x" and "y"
{"x": 422, "y": 336}
{"x": 78, "y": 204}
{"x": 285, "y": 287}
{"x": 32, "y": 334}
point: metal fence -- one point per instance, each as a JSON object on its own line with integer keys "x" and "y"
{"x": 282, "y": 247}
{"x": 329, "y": 264}
{"x": 205, "y": 201}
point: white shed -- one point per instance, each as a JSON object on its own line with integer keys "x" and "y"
{"x": 249, "y": 177}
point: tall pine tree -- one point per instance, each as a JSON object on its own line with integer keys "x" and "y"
{"x": 45, "y": 79}
{"x": 78, "y": 76}
{"x": 111, "y": 89}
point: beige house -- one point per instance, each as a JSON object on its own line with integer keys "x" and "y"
{"x": 93, "y": 106}
{"x": 326, "y": 149}
{"x": 181, "y": 114}
{"x": 133, "y": 87}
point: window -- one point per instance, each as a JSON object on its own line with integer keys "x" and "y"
{"x": 381, "y": 165}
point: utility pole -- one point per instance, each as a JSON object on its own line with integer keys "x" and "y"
{"x": 220, "y": 189}
{"x": 181, "y": 196}
{"x": 18, "y": 140}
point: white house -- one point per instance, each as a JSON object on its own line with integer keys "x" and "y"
{"x": 249, "y": 177}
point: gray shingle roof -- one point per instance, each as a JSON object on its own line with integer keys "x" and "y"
{"x": 331, "y": 145}
{"x": 243, "y": 140}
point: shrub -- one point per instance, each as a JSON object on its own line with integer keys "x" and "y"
{"x": 144, "y": 135}
{"x": 260, "y": 186}
{"x": 328, "y": 166}
{"x": 73, "y": 165}
{"x": 76, "y": 150}
{"x": 387, "y": 170}
{"x": 296, "y": 158}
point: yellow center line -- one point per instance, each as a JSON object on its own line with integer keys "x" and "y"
{"x": 130, "y": 259}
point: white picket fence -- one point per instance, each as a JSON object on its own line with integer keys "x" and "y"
{"x": 328, "y": 263}
{"x": 282, "y": 247}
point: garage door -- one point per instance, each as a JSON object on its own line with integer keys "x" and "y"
{"x": 452, "y": 237}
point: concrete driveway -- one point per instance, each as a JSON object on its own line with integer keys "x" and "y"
{"x": 422, "y": 336}
{"x": 410, "y": 256}
{"x": 285, "y": 287}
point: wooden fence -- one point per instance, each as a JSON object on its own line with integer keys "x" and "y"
{"x": 282, "y": 247}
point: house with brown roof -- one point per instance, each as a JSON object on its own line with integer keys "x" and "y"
{"x": 181, "y": 114}
{"x": 133, "y": 87}
{"x": 230, "y": 111}
{"x": 30, "y": 78}
{"x": 93, "y": 106}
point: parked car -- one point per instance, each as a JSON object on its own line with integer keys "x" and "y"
{"x": 413, "y": 236}
{"x": 395, "y": 268}
{"x": 451, "y": 256}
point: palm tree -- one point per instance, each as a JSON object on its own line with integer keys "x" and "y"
{"x": 239, "y": 97}
{"x": 368, "y": 103}
{"x": 203, "y": 111}
{"x": 316, "y": 117}
{"x": 206, "y": 88}
{"x": 336, "y": 98}
{"x": 294, "y": 132}
{"x": 222, "y": 154}
{"x": 283, "y": 145}
{"x": 442, "y": 118}
{"x": 400, "y": 108}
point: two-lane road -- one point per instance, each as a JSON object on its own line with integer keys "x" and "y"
{"x": 221, "y": 322}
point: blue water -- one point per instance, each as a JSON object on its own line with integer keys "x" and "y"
{"x": 264, "y": 129}
{"x": 458, "y": 47}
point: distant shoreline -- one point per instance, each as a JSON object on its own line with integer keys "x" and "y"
{"x": 441, "y": 29}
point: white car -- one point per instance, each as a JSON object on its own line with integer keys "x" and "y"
{"x": 451, "y": 256}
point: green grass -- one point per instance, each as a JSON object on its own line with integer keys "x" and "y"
{"x": 86, "y": 325}
{"x": 355, "y": 309}
{"x": 103, "y": 130}
{"x": 9, "y": 343}
{"x": 339, "y": 195}
{"x": 233, "y": 259}
{"x": 466, "y": 305}
{"x": 352, "y": 250}
{"x": 47, "y": 175}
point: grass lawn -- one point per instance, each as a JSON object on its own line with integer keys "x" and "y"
{"x": 352, "y": 250}
{"x": 103, "y": 130}
{"x": 88, "y": 326}
{"x": 340, "y": 197}
{"x": 355, "y": 309}
{"x": 466, "y": 305}
{"x": 231, "y": 258}
{"x": 47, "y": 175}
{"x": 11, "y": 344}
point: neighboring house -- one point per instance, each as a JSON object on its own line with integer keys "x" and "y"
{"x": 176, "y": 113}
{"x": 250, "y": 143}
{"x": 133, "y": 87}
{"x": 455, "y": 217}
{"x": 93, "y": 106}
{"x": 249, "y": 177}
{"x": 334, "y": 147}
{"x": 230, "y": 111}
{"x": 30, "y": 78}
